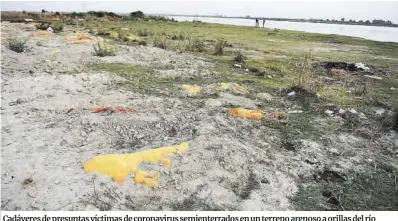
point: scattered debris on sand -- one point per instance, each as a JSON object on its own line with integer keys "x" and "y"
{"x": 254, "y": 143}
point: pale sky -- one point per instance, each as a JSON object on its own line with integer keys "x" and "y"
{"x": 357, "y": 10}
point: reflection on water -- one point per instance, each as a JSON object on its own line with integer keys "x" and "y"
{"x": 367, "y": 32}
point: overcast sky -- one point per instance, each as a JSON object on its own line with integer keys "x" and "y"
{"x": 357, "y": 10}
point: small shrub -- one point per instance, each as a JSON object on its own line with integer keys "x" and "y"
{"x": 239, "y": 58}
{"x": 178, "y": 36}
{"x": 57, "y": 27}
{"x": 143, "y": 43}
{"x": 143, "y": 32}
{"x": 123, "y": 36}
{"x": 219, "y": 47}
{"x": 71, "y": 23}
{"x": 160, "y": 42}
{"x": 16, "y": 44}
{"x": 360, "y": 89}
{"x": 196, "y": 45}
{"x": 102, "y": 50}
{"x": 42, "y": 26}
{"x": 305, "y": 79}
{"x": 174, "y": 37}
{"x": 103, "y": 32}
{"x": 137, "y": 14}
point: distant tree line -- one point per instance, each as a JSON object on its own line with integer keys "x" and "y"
{"x": 375, "y": 22}
{"x": 137, "y": 15}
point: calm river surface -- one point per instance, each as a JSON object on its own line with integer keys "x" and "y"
{"x": 388, "y": 34}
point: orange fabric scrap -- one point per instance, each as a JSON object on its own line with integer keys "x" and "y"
{"x": 40, "y": 34}
{"x": 246, "y": 114}
{"x": 82, "y": 37}
{"x": 78, "y": 37}
{"x": 100, "y": 109}
{"x": 124, "y": 110}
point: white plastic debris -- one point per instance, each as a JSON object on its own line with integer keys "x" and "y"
{"x": 380, "y": 111}
{"x": 362, "y": 116}
{"x": 362, "y": 66}
{"x": 238, "y": 65}
{"x": 392, "y": 88}
{"x": 329, "y": 112}
{"x": 342, "y": 111}
{"x": 247, "y": 70}
{"x": 373, "y": 77}
{"x": 291, "y": 93}
{"x": 49, "y": 29}
{"x": 28, "y": 19}
{"x": 334, "y": 151}
{"x": 295, "y": 112}
{"x": 353, "y": 111}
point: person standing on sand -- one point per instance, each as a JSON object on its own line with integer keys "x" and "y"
{"x": 263, "y": 22}
{"x": 257, "y": 22}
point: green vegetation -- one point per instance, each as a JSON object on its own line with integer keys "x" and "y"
{"x": 143, "y": 43}
{"x": 360, "y": 192}
{"x": 102, "y": 49}
{"x": 195, "y": 45}
{"x": 122, "y": 35}
{"x": 219, "y": 47}
{"x": 280, "y": 56}
{"x": 144, "y": 32}
{"x": 57, "y": 27}
{"x": 17, "y": 44}
{"x": 160, "y": 41}
{"x": 278, "y": 63}
{"x": 178, "y": 36}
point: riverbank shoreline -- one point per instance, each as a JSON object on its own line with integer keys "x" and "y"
{"x": 376, "y": 33}
{"x": 289, "y": 20}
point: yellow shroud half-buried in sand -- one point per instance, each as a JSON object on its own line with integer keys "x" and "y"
{"x": 246, "y": 114}
{"x": 119, "y": 166}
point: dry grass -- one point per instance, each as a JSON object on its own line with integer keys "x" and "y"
{"x": 160, "y": 42}
{"x": 219, "y": 47}
{"x": 195, "y": 45}
{"x": 144, "y": 32}
{"x": 103, "y": 49}
{"x": 17, "y": 44}
{"x": 305, "y": 78}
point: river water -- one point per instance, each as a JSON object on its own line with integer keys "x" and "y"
{"x": 387, "y": 34}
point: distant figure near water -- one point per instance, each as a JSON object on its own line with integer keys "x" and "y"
{"x": 263, "y": 22}
{"x": 257, "y": 25}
